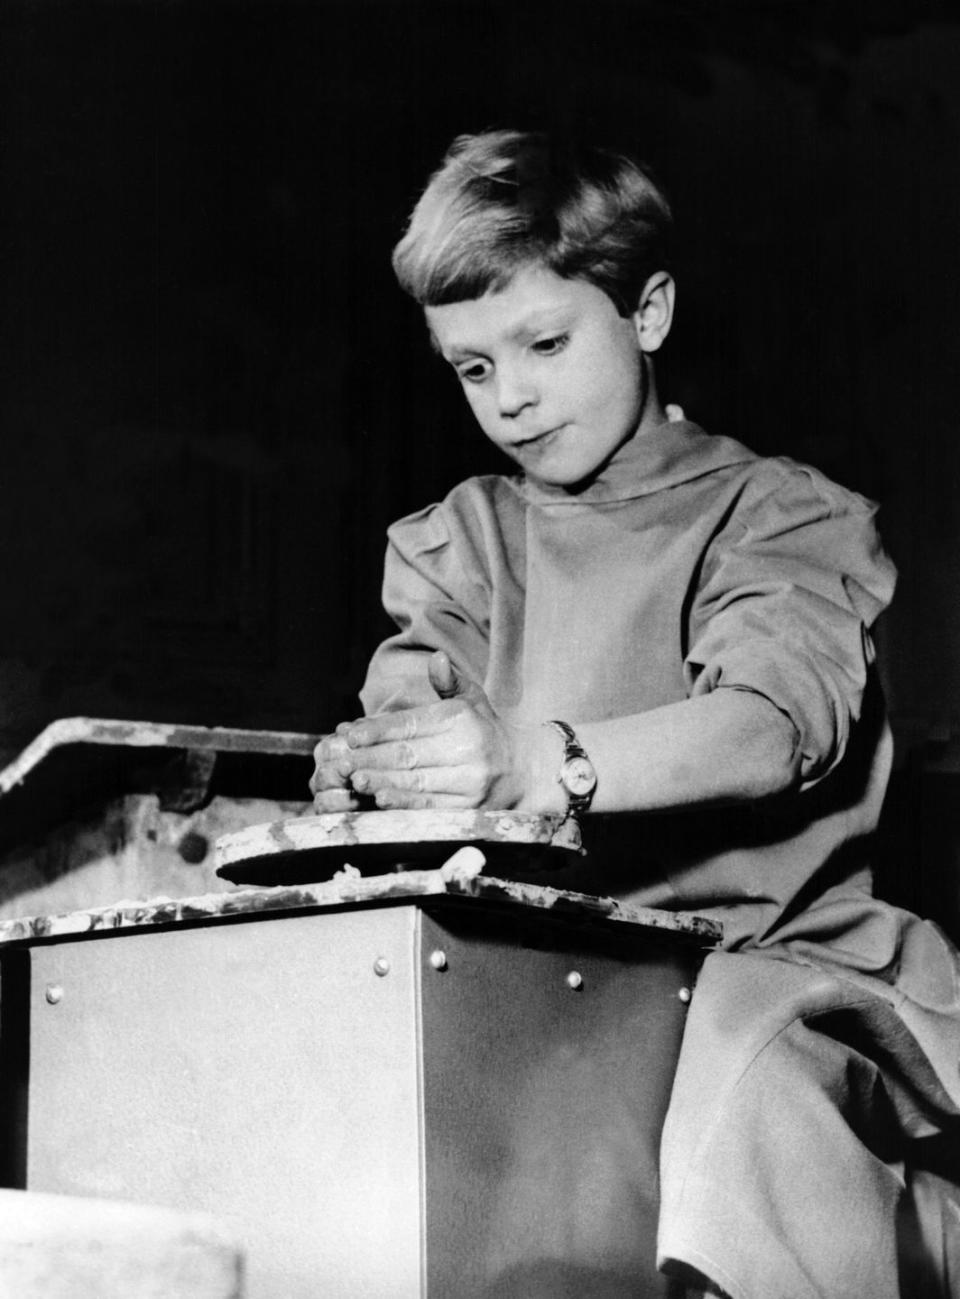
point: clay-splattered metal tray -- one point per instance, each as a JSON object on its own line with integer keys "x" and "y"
{"x": 310, "y": 848}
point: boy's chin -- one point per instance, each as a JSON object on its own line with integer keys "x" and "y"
{"x": 570, "y": 473}
{"x": 558, "y": 470}
{"x": 571, "y": 481}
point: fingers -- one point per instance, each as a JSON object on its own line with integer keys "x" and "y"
{"x": 328, "y": 778}
{"x": 333, "y": 764}
{"x": 416, "y": 757}
{"x": 400, "y": 798}
{"x": 397, "y": 774}
{"x": 449, "y": 749}
{"x": 417, "y": 768}
{"x": 407, "y": 724}
{"x": 462, "y": 781}
{"x": 456, "y": 692}
{"x": 451, "y": 684}
{"x": 330, "y": 748}
{"x": 443, "y": 676}
{"x": 336, "y": 800}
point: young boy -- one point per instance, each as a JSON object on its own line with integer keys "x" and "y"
{"x": 648, "y": 620}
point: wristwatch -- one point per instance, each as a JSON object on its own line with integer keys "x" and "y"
{"x": 577, "y": 774}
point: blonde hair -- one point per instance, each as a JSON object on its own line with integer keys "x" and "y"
{"x": 505, "y": 199}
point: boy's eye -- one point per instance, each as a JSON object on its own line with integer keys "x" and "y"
{"x": 474, "y": 372}
{"x": 550, "y": 346}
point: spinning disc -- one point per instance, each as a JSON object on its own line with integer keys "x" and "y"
{"x": 311, "y": 848}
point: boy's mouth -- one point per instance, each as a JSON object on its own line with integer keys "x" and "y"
{"x": 535, "y": 439}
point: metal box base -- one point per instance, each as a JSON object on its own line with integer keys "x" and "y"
{"x": 427, "y": 1098}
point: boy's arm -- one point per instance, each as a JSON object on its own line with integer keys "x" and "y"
{"x": 728, "y": 746}
{"x": 723, "y": 747}
{"x": 776, "y": 670}
{"x": 433, "y": 589}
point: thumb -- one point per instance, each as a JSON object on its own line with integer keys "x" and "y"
{"x": 443, "y": 676}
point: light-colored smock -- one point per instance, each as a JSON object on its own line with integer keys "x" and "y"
{"x": 820, "y": 1060}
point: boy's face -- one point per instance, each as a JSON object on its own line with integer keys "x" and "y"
{"x": 555, "y": 376}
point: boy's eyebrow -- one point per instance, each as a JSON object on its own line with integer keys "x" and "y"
{"x": 535, "y": 323}
{"x": 548, "y": 318}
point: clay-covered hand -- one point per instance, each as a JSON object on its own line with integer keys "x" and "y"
{"x": 330, "y": 782}
{"x": 453, "y": 753}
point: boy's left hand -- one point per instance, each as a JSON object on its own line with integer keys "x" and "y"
{"x": 454, "y": 753}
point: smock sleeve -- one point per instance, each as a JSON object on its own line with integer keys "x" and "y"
{"x": 789, "y": 590}
{"x": 436, "y": 591}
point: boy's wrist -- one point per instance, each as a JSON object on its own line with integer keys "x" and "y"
{"x": 543, "y": 750}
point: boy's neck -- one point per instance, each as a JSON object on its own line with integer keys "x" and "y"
{"x": 653, "y": 413}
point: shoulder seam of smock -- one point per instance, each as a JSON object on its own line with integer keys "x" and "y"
{"x": 758, "y": 495}
{"x": 829, "y": 491}
{"x": 485, "y": 486}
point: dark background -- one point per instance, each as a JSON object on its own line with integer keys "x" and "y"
{"x": 213, "y": 399}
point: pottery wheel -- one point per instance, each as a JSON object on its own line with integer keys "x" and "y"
{"x": 310, "y": 848}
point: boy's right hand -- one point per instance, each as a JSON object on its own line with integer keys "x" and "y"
{"x": 453, "y": 753}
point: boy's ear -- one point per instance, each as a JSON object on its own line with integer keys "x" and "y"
{"x": 654, "y": 314}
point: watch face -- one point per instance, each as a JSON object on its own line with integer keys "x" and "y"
{"x": 579, "y": 776}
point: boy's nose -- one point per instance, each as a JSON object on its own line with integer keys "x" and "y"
{"x": 515, "y": 393}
